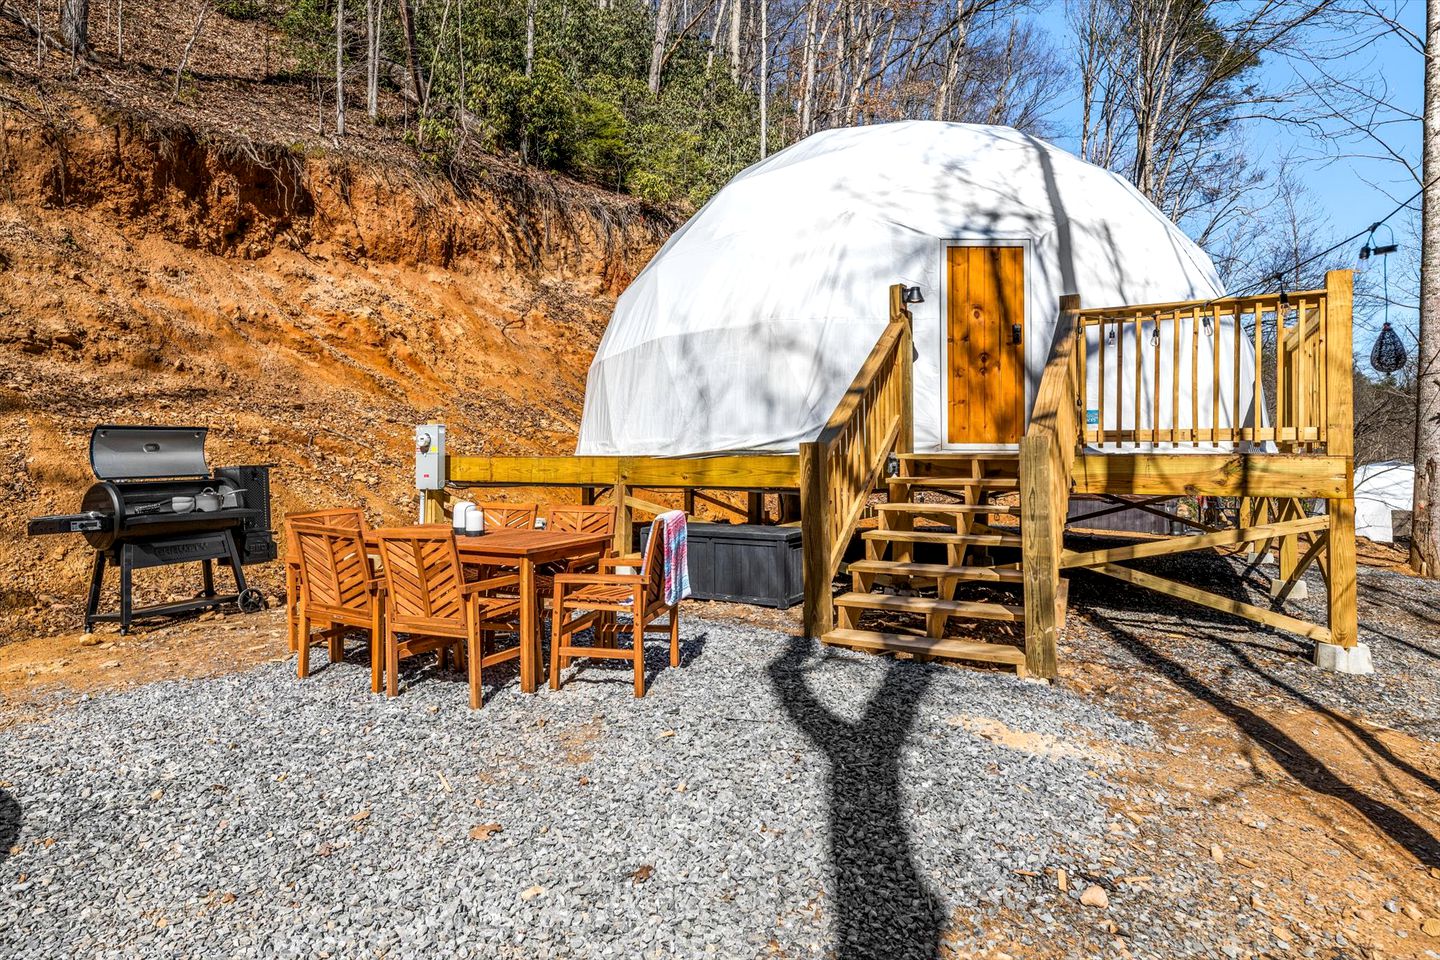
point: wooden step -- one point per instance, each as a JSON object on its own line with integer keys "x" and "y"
{"x": 951, "y": 647}
{"x": 955, "y": 456}
{"x": 958, "y": 483}
{"x": 944, "y": 536}
{"x": 896, "y": 568}
{"x": 955, "y": 508}
{"x": 975, "y": 609}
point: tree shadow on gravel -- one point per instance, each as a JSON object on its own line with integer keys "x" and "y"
{"x": 1291, "y": 755}
{"x": 884, "y": 909}
{"x": 10, "y": 820}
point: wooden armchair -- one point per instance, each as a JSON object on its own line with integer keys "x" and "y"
{"x": 349, "y": 517}
{"x": 515, "y": 516}
{"x": 603, "y": 595}
{"x": 427, "y": 598}
{"x": 337, "y": 590}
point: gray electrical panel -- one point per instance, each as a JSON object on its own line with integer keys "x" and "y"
{"x": 430, "y": 456}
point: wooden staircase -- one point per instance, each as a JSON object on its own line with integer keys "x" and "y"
{"x": 943, "y": 504}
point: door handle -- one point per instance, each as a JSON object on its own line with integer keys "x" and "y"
{"x": 1015, "y": 333}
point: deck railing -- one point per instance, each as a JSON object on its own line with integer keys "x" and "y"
{"x": 1047, "y": 456}
{"x": 840, "y": 467}
{"x": 1243, "y": 372}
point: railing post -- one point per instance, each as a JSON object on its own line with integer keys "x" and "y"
{"x": 819, "y": 613}
{"x": 1340, "y": 442}
{"x": 624, "y": 519}
{"x": 905, "y": 442}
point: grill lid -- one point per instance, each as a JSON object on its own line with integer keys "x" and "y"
{"x": 147, "y": 453}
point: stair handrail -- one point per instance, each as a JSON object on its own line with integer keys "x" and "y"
{"x": 840, "y": 467}
{"x": 1047, "y": 461}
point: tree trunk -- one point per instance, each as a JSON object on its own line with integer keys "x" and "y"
{"x": 373, "y": 13}
{"x": 75, "y": 27}
{"x": 735, "y": 14}
{"x": 407, "y": 26}
{"x": 765, "y": 77}
{"x": 529, "y": 37}
{"x": 807, "y": 84}
{"x": 1425, "y": 533}
{"x": 340, "y": 68}
{"x": 657, "y": 49}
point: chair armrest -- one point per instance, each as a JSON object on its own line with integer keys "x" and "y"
{"x": 622, "y": 560}
{"x": 606, "y": 579}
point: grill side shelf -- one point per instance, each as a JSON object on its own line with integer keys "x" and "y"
{"x": 91, "y": 522}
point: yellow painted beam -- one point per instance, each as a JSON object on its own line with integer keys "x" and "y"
{"x": 740, "y": 472}
{"x": 1220, "y": 475}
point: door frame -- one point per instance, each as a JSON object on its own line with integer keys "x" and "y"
{"x": 943, "y": 335}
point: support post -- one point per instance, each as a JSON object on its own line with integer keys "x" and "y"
{"x": 754, "y": 507}
{"x": 905, "y": 441}
{"x": 819, "y": 611}
{"x": 432, "y": 506}
{"x": 1340, "y": 442}
{"x": 624, "y": 519}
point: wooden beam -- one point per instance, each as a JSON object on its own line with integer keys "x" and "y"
{"x": 1221, "y": 538}
{"x": 1216, "y": 602}
{"x": 624, "y": 519}
{"x": 1047, "y": 453}
{"x": 1220, "y": 475}
{"x": 739, "y": 472}
{"x": 819, "y": 611}
{"x": 1340, "y": 442}
{"x": 899, "y": 313}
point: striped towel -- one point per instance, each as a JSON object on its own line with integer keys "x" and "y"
{"x": 672, "y": 527}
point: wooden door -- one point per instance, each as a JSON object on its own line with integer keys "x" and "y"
{"x": 985, "y": 333}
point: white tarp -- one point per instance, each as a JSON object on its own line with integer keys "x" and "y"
{"x": 1379, "y": 489}
{"x": 745, "y": 329}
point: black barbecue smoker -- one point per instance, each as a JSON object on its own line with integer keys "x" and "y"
{"x": 156, "y": 502}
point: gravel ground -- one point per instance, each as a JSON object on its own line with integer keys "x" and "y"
{"x": 1234, "y": 663}
{"x": 766, "y": 799}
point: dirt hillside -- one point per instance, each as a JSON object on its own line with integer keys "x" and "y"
{"x": 309, "y": 303}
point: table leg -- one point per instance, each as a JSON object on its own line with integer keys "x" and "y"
{"x": 529, "y": 639}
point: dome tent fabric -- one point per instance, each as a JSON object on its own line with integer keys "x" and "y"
{"x": 1381, "y": 488}
{"x": 744, "y": 330}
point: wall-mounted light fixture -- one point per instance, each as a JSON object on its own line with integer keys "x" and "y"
{"x": 913, "y": 295}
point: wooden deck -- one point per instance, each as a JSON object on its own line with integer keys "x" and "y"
{"x": 1141, "y": 446}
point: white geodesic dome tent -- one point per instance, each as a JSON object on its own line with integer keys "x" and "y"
{"x": 747, "y": 326}
{"x": 1380, "y": 489}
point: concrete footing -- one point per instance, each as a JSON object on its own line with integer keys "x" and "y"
{"x": 1337, "y": 659}
{"x": 1300, "y": 592}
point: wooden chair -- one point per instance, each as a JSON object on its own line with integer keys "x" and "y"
{"x": 336, "y": 589}
{"x": 427, "y": 598}
{"x": 515, "y": 516}
{"x": 350, "y": 517}
{"x": 604, "y": 595}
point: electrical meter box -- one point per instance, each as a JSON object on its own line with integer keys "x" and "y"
{"x": 430, "y": 456}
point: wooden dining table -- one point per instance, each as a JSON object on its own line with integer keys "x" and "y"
{"x": 523, "y": 550}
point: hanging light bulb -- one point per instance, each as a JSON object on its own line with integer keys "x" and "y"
{"x": 1110, "y": 337}
{"x": 1209, "y": 328}
{"x": 1155, "y": 334}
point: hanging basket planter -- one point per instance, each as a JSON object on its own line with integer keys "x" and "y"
{"x": 1388, "y": 354}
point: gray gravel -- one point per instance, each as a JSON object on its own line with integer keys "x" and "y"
{"x": 257, "y": 815}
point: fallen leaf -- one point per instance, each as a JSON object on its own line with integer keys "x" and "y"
{"x": 445, "y": 783}
{"x": 157, "y": 794}
{"x": 49, "y": 841}
{"x": 324, "y": 850}
{"x": 584, "y": 781}
{"x": 362, "y": 815}
{"x": 681, "y": 787}
{"x": 227, "y": 897}
{"x": 1062, "y": 879}
{"x": 1094, "y": 896}
{"x": 666, "y": 733}
{"x": 532, "y": 892}
{"x": 642, "y": 874}
{"x": 1431, "y": 926}
{"x": 484, "y": 831}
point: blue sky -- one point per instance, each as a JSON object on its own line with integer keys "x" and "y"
{"x": 1346, "y": 191}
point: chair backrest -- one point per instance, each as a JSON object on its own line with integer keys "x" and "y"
{"x": 334, "y": 570}
{"x": 570, "y": 518}
{"x": 515, "y": 516}
{"x": 652, "y": 567}
{"x": 350, "y": 517}
{"x": 423, "y": 578}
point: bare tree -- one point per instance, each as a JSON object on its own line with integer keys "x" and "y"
{"x": 201, "y": 15}
{"x": 340, "y": 68}
{"x": 1425, "y": 533}
{"x": 75, "y": 28}
{"x": 663, "y": 17}
{"x": 374, "y": 14}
